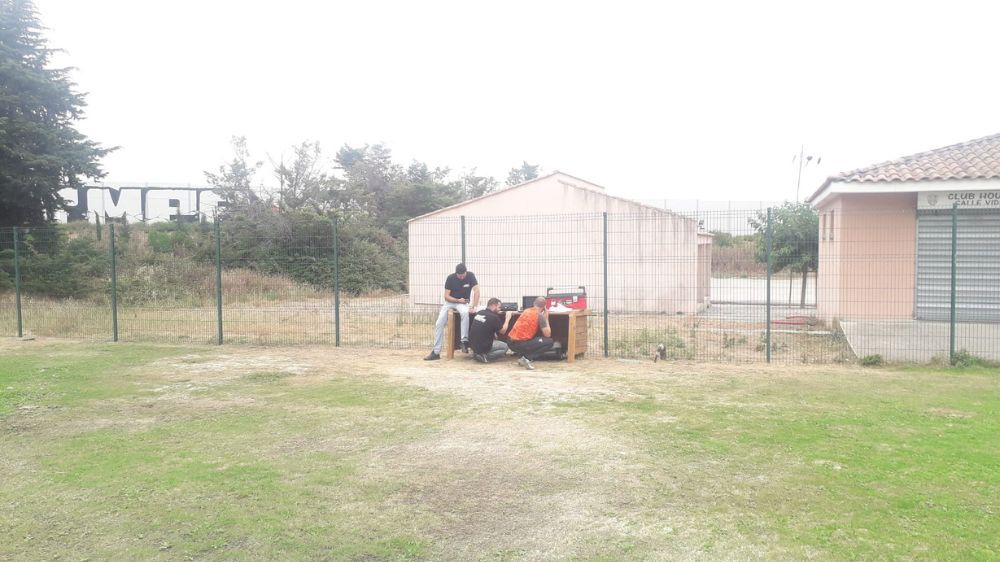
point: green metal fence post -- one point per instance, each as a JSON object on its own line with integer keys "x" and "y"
{"x": 218, "y": 280}
{"x": 463, "y": 237}
{"x": 114, "y": 283}
{"x": 770, "y": 267}
{"x": 17, "y": 283}
{"x": 336, "y": 283}
{"x": 954, "y": 276}
{"x": 606, "y": 351}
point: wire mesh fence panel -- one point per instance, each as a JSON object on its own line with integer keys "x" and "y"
{"x": 523, "y": 256}
{"x": 708, "y": 296}
{"x": 277, "y": 283}
{"x": 165, "y": 282}
{"x": 873, "y": 281}
{"x": 517, "y": 258}
{"x": 64, "y": 279}
{"x": 764, "y": 287}
{"x": 435, "y": 247}
{"x": 657, "y": 284}
{"x": 8, "y": 297}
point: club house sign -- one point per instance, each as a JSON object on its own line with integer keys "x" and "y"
{"x": 964, "y": 199}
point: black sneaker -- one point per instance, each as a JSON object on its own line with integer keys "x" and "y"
{"x": 465, "y": 346}
{"x": 481, "y": 358}
{"x": 433, "y": 356}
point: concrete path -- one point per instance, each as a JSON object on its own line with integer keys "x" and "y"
{"x": 920, "y": 341}
{"x": 735, "y": 290}
{"x": 753, "y": 312}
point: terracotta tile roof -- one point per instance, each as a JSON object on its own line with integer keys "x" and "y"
{"x": 975, "y": 159}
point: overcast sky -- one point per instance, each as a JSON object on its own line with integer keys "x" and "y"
{"x": 707, "y": 100}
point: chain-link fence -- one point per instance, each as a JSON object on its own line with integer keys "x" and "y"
{"x": 780, "y": 284}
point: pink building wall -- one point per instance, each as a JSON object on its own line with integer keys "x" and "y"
{"x": 549, "y": 233}
{"x": 867, "y": 256}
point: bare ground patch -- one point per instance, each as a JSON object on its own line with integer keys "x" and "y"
{"x": 527, "y": 485}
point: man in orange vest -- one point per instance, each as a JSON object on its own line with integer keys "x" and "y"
{"x": 531, "y": 335}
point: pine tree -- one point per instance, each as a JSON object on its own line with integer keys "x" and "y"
{"x": 41, "y": 151}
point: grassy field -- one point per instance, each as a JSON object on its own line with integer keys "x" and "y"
{"x": 145, "y": 452}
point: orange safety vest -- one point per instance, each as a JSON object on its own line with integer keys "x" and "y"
{"x": 526, "y": 326}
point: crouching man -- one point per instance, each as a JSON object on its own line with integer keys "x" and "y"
{"x": 531, "y": 335}
{"x": 487, "y": 326}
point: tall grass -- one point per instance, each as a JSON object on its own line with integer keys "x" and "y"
{"x": 737, "y": 260}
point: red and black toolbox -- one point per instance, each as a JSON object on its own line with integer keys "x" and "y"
{"x": 569, "y": 297}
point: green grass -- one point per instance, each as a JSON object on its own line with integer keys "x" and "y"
{"x": 157, "y": 452}
{"x": 896, "y": 467}
{"x": 210, "y": 480}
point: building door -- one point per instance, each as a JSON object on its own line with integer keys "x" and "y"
{"x": 977, "y": 287}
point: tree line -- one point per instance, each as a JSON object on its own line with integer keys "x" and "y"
{"x": 368, "y": 193}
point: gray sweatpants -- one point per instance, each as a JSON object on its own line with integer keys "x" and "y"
{"x": 442, "y": 321}
{"x": 498, "y": 350}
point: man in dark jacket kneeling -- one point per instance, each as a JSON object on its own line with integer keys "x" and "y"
{"x": 486, "y": 327}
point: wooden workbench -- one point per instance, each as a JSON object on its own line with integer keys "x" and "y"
{"x": 568, "y": 328}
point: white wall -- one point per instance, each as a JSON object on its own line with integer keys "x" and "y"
{"x": 550, "y": 233}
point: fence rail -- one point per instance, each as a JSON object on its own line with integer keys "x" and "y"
{"x": 831, "y": 290}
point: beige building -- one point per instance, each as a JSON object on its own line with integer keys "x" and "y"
{"x": 885, "y": 240}
{"x": 549, "y": 232}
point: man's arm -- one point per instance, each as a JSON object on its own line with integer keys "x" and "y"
{"x": 506, "y": 321}
{"x": 543, "y": 323}
{"x": 475, "y": 298}
{"x": 449, "y": 298}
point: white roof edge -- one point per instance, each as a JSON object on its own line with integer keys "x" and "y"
{"x": 838, "y": 187}
{"x": 487, "y": 195}
{"x": 587, "y": 186}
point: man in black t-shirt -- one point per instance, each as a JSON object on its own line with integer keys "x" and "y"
{"x": 461, "y": 293}
{"x": 486, "y": 325}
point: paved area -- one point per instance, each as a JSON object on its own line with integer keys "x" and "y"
{"x": 919, "y": 340}
{"x": 753, "y": 312}
{"x": 784, "y": 291}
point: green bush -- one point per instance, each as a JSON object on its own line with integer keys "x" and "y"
{"x": 872, "y": 361}
{"x": 181, "y": 240}
{"x": 963, "y": 360}
{"x": 721, "y": 239}
{"x": 300, "y": 245}
{"x": 173, "y": 262}
{"x": 52, "y": 265}
{"x": 6, "y": 270}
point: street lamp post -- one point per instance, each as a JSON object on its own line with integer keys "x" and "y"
{"x": 804, "y": 161}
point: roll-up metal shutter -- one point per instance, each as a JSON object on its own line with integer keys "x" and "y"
{"x": 977, "y": 287}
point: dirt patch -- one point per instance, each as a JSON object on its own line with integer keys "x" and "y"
{"x": 504, "y": 381}
{"x": 535, "y": 486}
{"x": 235, "y": 364}
{"x": 949, "y": 413}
